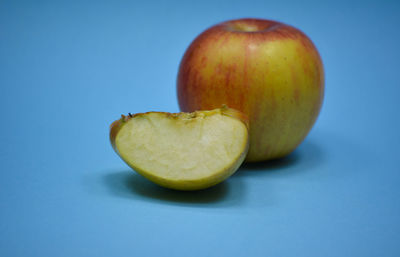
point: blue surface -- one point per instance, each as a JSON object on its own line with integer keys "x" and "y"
{"x": 68, "y": 69}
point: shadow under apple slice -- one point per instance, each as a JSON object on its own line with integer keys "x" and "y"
{"x": 128, "y": 184}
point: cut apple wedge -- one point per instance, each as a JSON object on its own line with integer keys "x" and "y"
{"x": 183, "y": 151}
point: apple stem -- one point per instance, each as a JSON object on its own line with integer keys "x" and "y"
{"x": 130, "y": 115}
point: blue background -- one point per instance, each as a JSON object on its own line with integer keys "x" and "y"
{"x": 68, "y": 69}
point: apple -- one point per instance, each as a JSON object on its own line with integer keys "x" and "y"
{"x": 184, "y": 151}
{"x": 268, "y": 70}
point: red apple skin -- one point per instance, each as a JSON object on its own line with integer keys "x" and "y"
{"x": 268, "y": 70}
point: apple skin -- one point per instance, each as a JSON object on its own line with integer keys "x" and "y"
{"x": 270, "y": 71}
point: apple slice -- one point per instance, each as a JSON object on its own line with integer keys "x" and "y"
{"x": 184, "y": 151}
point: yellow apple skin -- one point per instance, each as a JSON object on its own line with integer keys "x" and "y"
{"x": 183, "y": 185}
{"x": 270, "y": 71}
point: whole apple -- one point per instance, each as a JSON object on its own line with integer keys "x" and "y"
{"x": 268, "y": 70}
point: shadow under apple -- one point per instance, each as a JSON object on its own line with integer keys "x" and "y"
{"x": 130, "y": 185}
{"x": 307, "y": 156}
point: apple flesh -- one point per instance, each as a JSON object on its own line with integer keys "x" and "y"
{"x": 184, "y": 151}
{"x": 268, "y": 70}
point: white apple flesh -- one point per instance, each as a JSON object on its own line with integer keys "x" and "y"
{"x": 184, "y": 151}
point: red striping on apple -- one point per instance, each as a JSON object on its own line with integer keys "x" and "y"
{"x": 270, "y": 71}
